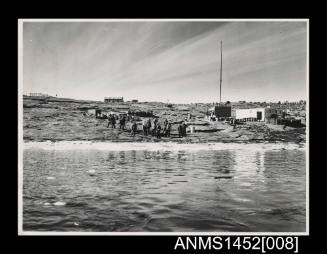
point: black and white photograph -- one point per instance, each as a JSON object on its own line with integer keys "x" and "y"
{"x": 163, "y": 126}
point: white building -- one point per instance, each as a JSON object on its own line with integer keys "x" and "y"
{"x": 39, "y": 95}
{"x": 249, "y": 114}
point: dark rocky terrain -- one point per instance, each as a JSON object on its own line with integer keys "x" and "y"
{"x": 60, "y": 119}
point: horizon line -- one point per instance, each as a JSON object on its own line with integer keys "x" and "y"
{"x": 170, "y": 102}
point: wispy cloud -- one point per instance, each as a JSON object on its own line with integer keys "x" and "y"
{"x": 178, "y": 61}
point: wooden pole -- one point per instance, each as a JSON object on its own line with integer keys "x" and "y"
{"x": 221, "y": 66}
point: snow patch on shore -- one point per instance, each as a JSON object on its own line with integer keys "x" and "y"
{"x": 159, "y": 146}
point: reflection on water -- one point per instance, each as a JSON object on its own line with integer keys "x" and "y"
{"x": 185, "y": 190}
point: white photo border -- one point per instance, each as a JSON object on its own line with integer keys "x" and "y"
{"x": 21, "y": 141}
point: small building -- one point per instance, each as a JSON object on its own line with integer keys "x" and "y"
{"x": 291, "y": 122}
{"x": 135, "y": 101}
{"x": 271, "y": 111}
{"x": 303, "y": 121}
{"x": 287, "y": 111}
{"x": 95, "y": 112}
{"x": 113, "y": 99}
{"x": 250, "y": 114}
{"x": 220, "y": 111}
{"x": 273, "y": 114}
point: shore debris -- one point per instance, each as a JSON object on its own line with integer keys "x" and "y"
{"x": 91, "y": 172}
{"x": 59, "y": 203}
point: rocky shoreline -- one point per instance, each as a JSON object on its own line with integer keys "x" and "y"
{"x": 62, "y": 121}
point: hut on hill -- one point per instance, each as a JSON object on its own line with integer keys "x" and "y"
{"x": 113, "y": 99}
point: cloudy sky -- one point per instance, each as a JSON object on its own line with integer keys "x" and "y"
{"x": 160, "y": 61}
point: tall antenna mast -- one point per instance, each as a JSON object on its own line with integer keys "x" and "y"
{"x": 221, "y": 66}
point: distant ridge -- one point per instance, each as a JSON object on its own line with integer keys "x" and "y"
{"x": 58, "y": 99}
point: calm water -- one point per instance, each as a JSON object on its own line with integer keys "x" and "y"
{"x": 180, "y": 189}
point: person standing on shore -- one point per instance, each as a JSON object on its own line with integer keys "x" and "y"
{"x": 109, "y": 120}
{"x": 155, "y": 124}
{"x": 158, "y": 131}
{"x": 184, "y": 129}
{"x": 134, "y": 129}
{"x": 180, "y": 130}
{"x": 165, "y": 123}
{"x": 113, "y": 122}
{"x": 148, "y": 126}
{"x": 164, "y": 131}
{"x": 122, "y": 123}
{"x": 145, "y": 128}
{"x": 168, "y": 130}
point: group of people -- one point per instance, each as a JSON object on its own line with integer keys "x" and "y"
{"x": 112, "y": 119}
{"x": 182, "y": 129}
{"x": 155, "y": 129}
{"x": 149, "y": 128}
